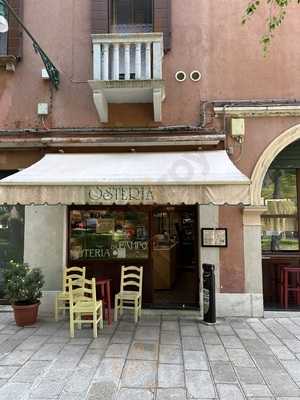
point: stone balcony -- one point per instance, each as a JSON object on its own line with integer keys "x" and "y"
{"x": 127, "y": 68}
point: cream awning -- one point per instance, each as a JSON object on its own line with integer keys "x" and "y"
{"x": 128, "y": 178}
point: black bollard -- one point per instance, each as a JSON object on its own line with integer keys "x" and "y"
{"x": 209, "y": 293}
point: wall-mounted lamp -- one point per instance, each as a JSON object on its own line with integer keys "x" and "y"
{"x": 6, "y": 9}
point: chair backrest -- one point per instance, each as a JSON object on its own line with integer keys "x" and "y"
{"x": 86, "y": 293}
{"x": 76, "y": 274}
{"x": 131, "y": 276}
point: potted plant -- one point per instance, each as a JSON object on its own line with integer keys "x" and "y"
{"x": 23, "y": 288}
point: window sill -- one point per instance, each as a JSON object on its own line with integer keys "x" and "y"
{"x": 8, "y": 62}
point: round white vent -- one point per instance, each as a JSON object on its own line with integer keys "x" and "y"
{"x": 180, "y": 76}
{"x": 195, "y": 76}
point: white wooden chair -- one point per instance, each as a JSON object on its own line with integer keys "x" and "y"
{"x": 62, "y": 299}
{"x": 131, "y": 277}
{"x": 85, "y": 305}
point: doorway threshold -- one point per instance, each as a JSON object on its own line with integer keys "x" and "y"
{"x": 194, "y": 314}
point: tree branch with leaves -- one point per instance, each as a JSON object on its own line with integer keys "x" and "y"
{"x": 277, "y": 13}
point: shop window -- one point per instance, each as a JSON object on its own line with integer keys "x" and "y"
{"x": 131, "y": 16}
{"x": 280, "y": 221}
{"x": 108, "y": 234}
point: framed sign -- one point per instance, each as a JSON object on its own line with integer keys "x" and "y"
{"x": 214, "y": 237}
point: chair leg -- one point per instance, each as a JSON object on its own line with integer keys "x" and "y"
{"x": 116, "y": 309}
{"x": 136, "y": 310}
{"x": 121, "y": 306}
{"x": 71, "y": 324}
{"x": 95, "y": 324}
{"x": 140, "y": 308}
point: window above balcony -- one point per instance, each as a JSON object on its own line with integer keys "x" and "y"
{"x": 131, "y": 16}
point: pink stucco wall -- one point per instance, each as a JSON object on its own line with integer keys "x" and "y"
{"x": 206, "y": 35}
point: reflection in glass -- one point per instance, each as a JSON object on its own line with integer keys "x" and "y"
{"x": 279, "y": 222}
{"x": 11, "y": 237}
{"x": 108, "y": 235}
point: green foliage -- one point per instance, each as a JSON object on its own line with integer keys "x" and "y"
{"x": 278, "y": 11}
{"x": 22, "y": 284}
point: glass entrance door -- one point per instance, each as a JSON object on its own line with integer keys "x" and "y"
{"x": 175, "y": 257}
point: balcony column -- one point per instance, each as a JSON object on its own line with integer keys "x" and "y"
{"x": 157, "y": 60}
{"x": 148, "y": 60}
{"x": 106, "y": 62}
{"x": 138, "y": 61}
{"x": 127, "y": 61}
{"x": 116, "y": 63}
{"x": 97, "y": 61}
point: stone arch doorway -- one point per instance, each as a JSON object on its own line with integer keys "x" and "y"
{"x": 266, "y": 159}
{"x": 276, "y": 184}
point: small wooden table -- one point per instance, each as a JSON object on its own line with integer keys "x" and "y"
{"x": 104, "y": 285}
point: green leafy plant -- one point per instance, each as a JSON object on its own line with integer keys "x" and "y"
{"x": 277, "y": 13}
{"x": 22, "y": 284}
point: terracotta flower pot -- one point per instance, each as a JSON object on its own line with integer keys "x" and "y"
{"x": 25, "y": 314}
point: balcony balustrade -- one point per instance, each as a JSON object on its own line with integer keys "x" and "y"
{"x": 127, "y": 68}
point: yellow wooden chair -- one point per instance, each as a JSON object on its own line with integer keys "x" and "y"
{"x": 85, "y": 305}
{"x": 62, "y": 300}
{"x": 131, "y": 277}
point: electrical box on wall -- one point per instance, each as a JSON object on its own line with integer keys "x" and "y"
{"x": 42, "y": 109}
{"x": 45, "y": 74}
{"x": 238, "y": 128}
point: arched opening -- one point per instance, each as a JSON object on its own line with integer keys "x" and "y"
{"x": 280, "y": 239}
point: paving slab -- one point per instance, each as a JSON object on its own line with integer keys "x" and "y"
{"x": 252, "y": 390}
{"x": 196, "y": 360}
{"x": 147, "y": 333}
{"x": 171, "y": 394}
{"x": 170, "y": 337}
{"x": 139, "y": 374}
{"x": 192, "y": 343}
{"x": 170, "y": 326}
{"x": 14, "y": 391}
{"x": 189, "y": 330}
{"x": 199, "y": 385}
{"x": 230, "y": 392}
{"x": 170, "y": 376}
{"x": 147, "y": 351}
{"x": 109, "y": 370}
{"x": 170, "y": 354}
{"x": 216, "y": 353}
{"x": 118, "y": 350}
{"x": 136, "y": 394}
{"x": 30, "y": 371}
{"x": 249, "y": 375}
{"x": 223, "y": 372}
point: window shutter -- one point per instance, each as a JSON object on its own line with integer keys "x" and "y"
{"x": 15, "y": 33}
{"x": 162, "y": 20}
{"x": 100, "y": 16}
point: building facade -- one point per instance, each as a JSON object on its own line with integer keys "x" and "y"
{"x": 170, "y": 142}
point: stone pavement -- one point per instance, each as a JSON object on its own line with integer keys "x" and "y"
{"x": 160, "y": 358}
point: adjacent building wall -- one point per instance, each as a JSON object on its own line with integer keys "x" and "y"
{"x": 44, "y": 247}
